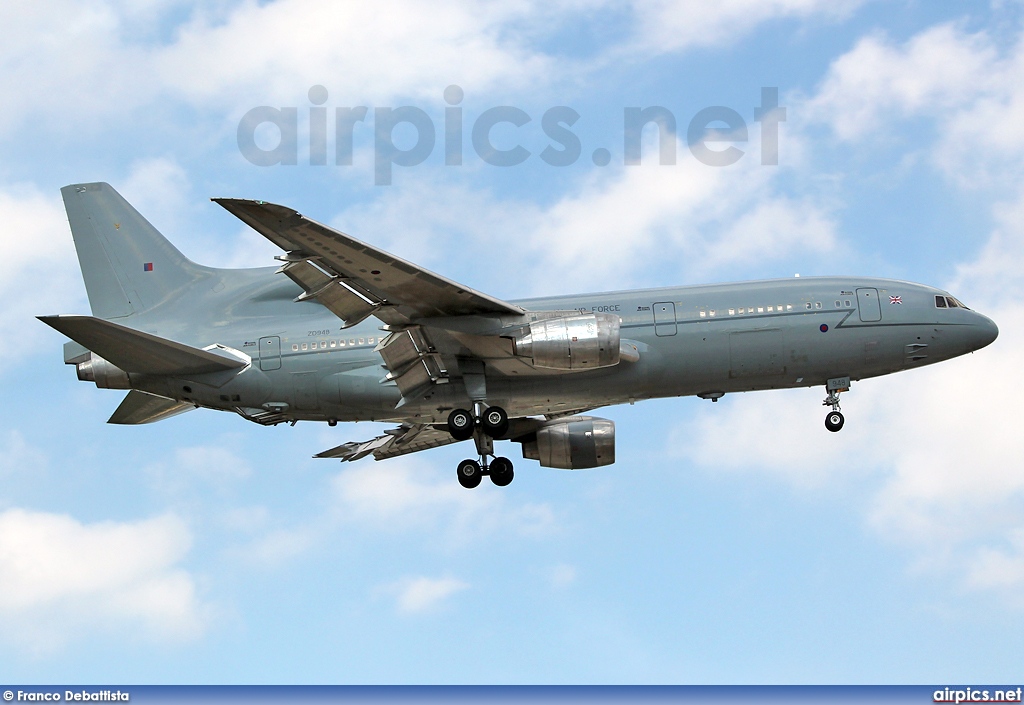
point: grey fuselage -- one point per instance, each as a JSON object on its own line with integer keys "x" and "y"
{"x": 691, "y": 340}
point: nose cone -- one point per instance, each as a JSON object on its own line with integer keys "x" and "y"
{"x": 983, "y": 332}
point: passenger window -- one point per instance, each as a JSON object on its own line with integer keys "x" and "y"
{"x": 817, "y": 304}
{"x": 323, "y": 344}
{"x": 362, "y": 341}
{"x": 334, "y": 343}
{"x": 351, "y": 341}
{"x": 760, "y": 309}
{"x": 703, "y": 314}
{"x": 940, "y": 302}
{"x": 847, "y": 302}
{"x": 295, "y": 347}
{"x": 808, "y": 305}
{"x": 370, "y": 340}
{"x": 304, "y": 346}
{"x": 711, "y": 313}
{"x": 771, "y": 309}
{"x": 789, "y": 307}
{"x": 732, "y": 312}
{"x": 838, "y": 303}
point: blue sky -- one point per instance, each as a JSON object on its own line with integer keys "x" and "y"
{"x": 730, "y": 543}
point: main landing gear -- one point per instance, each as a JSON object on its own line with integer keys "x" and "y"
{"x": 471, "y": 472}
{"x": 483, "y": 427}
{"x": 834, "y": 419}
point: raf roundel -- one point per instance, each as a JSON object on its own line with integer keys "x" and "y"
{"x": 823, "y": 328}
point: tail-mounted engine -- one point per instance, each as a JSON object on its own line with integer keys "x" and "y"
{"x": 573, "y": 443}
{"x": 583, "y": 342}
{"x": 106, "y": 376}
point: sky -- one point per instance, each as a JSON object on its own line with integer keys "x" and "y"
{"x": 736, "y": 542}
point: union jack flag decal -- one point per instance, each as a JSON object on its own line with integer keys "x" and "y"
{"x": 895, "y": 299}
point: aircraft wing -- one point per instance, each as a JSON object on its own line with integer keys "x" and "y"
{"x": 407, "y": 438}
{"x": 354, "y": 279}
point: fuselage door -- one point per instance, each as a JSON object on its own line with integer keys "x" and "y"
{"x": 665, "y": 318}
{"x": 270, "y": 353}
{"x": 868, "y": 306}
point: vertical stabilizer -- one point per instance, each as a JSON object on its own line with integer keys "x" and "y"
{"x": 128, "y": 266}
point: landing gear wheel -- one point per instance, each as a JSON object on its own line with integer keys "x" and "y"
{"x": 494, "y": 421}
{"x": 460, "y": 425}
{"x": 834, "y": 421}
{"x": 501, "y": 471}
{"x": 469, "y": 474}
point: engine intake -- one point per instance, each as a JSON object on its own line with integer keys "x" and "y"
{"x": 573, "y": 443}
{"x": 583, "y": 342}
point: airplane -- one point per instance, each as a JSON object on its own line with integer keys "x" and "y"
{"x": 344, "y": 331}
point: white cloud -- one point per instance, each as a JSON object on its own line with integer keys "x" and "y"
{"x": 39, "y": 272}
{"x": 667, "y": 26}
{"x": 965, "y": 84}
{"x": 940, "y": 459}
{"x": 217, "y": 466}
{"x": 62, "y": 577}
{"x": 417, "y": 595}
{"x": 407, "y": 495}
{"x": 278, "y": 546}
{"x": 17, "y": 455}
{"x": 90, "y": 62}
{"x": 689, "y": 221}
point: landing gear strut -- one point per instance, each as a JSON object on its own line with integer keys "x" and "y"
{"x": 483, "y": 427}
{"x": 834, "y": 420}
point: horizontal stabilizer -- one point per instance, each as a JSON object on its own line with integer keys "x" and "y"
{"x": 140, "y": 407}
{"x": 138, "y": 352}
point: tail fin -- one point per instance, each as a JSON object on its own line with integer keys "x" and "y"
{"x": 128, "y": 266}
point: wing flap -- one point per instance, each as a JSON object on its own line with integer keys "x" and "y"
{"x": 141, "y": 407}
{"x": 135, "y": 351}
{"x": 407, "y": 438}
{"x": 339, "y": 297}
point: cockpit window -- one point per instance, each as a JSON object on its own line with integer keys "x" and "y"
{"x": 949, "y": 302}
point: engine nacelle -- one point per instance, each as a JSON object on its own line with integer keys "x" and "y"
{"x": 583, "y": 342}
{"x": 573, "y": 443}
{"x": 104, "y": 374}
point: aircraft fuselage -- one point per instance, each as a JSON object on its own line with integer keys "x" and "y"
{"x": 691, "y": 340}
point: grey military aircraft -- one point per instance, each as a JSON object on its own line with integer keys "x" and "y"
{"x": 343, "y": 331}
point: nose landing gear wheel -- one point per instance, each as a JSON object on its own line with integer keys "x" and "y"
{"x": 494, "y": 421}
{"x": 460, "y": 424}
{"x": 469, "y": 474}
{"x": 834, "y": 421}
{"x": 501, "y": 472}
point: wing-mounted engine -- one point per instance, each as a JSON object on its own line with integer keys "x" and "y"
{"x": 572, "y": 443}
{"x": 577, "y": 342}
